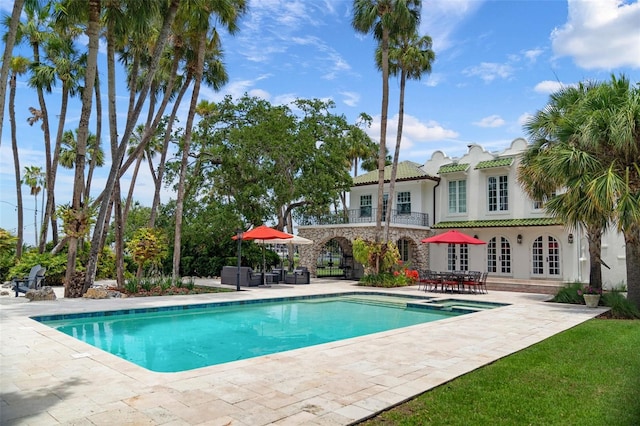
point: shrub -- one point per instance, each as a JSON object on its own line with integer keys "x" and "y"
{"x": 620, "y": 306}
{"x": 56, "y": 266}
{"x": 569, "y": 294}
{"x": 131, "y": 286}
{"x": 147, "y": 284}
{"x": 106, "y": 268}
{"x": 386, "y": 280}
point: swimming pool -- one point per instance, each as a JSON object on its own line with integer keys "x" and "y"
{"x": 180, "y": 338}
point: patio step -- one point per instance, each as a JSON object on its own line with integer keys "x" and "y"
{"x": 524, "y": 286}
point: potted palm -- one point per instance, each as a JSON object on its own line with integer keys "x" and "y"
{"x": 591, "y": 295}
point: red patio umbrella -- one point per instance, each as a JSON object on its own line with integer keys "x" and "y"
{"x": 453, "y": 237}
{"x": 263, "y": 234}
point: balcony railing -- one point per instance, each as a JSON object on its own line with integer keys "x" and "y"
{"x": 365, "y": 215}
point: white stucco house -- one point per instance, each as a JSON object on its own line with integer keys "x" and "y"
{"x": 478, "y": 194}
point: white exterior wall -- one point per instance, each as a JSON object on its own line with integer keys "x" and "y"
{"x": 574, "y": 256}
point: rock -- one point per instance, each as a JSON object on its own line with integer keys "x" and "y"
{"x": 101, "y": 293}
{"x": 96, "y": 293}
{"x": 45, "y": 293}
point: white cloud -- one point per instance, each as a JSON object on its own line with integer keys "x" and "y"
{"x": 490, "y": 121}
{"x": 285, "y": 99}
{"x": 414, "y": 133}
{"x": 532, "y": 54}
{"x": 259, "y": 93}
{"x": 440, "y": 19}
{"x": 434, "y": 79}
{"x": 524, "y": 118}
{"x": 548, "y": 87}
{"x": 350, "y": 98}
{"x": 489, "y": 71}
{"x": 600, "y": 34}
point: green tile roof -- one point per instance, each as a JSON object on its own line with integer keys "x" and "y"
{"x": 543, "y": 221}
{"x": 407, "y": 170}
{"x": 501, "y": 162}
{"x": 453, "y": 167}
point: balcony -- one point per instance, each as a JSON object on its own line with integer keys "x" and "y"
{"x": 365, "y": 216}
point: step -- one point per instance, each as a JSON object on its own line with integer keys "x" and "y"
{"x": 524, "y": 286}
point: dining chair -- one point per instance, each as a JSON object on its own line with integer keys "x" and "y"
{"x": 472, "y": 281}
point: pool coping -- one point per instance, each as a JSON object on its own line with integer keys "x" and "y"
{"x": 50, "y": 378}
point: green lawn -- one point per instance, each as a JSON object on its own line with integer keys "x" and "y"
{"x": 588, "y": 375}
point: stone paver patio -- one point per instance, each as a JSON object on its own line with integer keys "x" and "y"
{"x": 49, "y": 378}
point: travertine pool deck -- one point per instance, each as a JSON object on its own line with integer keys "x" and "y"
{"x": 49, "y": 378}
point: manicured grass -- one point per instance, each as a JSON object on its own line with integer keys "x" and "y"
{"x": 588, "y": 375}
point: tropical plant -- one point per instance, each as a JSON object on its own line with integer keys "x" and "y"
{"x": 610, "y": 130}
{"x": 385, "y": 19}
{"x": 54, "y": 264}
{"x": 557, "y": 170}
{"x": 18, "y": 67}
{"x": 377, "y": 257}
{"x": 147, "y": 248}
{"x": 204, "y": 42}
{"x": 7, "y": 251}
{"x": 410, "y": 56}
{"x": 589, "y": 290}
{"x": 35, "y": 180}
{"x": 589, "y": 145}
{"x": 139, "y": 19}
{"x": 9, "y": 41}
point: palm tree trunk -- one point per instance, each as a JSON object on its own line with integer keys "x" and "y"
{"x": 115, "y": 166}
{"x": 8, "y": 51}
{"x": 632, "y": 242}
{"x": 94, "y": 159}
{"x": 16, "y": 165}
{"x": 594, "y": 238}
{"x": 185, "y": 156}
{"x": 118, "y": 223}
{"x": 54, "y": 164}
{"x": 132, "y": 186}
{"x": 163, "y": 155}
{"x": 93, "y": 30}
{"x": 48, "y": 160}
{"x": 396, "y": 155}
{"x": 384, "y": 44}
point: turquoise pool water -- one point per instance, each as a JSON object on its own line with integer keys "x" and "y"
{"x": 186, "y": 337}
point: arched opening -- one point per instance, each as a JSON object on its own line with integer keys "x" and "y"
{"x": 335, "y": 259}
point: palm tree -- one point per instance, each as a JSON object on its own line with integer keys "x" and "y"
{"x": 168, "y": 14}
{"x": 151, "y": 149}
{"x": 384, "y": 18}
{"x": 205, "y": 51}
{"x": 67, "y": 65}
{"x": 78, "y": 207}
{"x": 593, "y": 129}
{"x": 609, "y": 129}
{"x": 555, "y": 163}
{"x": 359, "y": 143}
{"x": 36, "y": 32}
{"x": 411, "y": 56}
{"x": 34, "y": 179}
{"x": 9, "y": 41}
{"x": 95, "y": 153}
{"x": 19, "y": 66}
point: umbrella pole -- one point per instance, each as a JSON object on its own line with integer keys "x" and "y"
{"x": 264, "y": 267}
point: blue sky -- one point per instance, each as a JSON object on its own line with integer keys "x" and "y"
{"x": 496, "y": 64}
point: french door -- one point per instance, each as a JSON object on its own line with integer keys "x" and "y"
{"x": 499, "y": 256}
{"x": 458, "y": 257}
{"x": 545, "y": 257}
